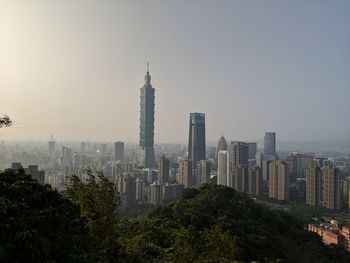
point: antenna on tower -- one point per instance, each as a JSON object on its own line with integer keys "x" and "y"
{"x": 147, "y": 66}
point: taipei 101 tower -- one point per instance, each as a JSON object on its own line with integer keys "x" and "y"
{"x": 147, "y": 122}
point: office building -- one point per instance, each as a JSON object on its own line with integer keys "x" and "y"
{"x": 185, "y": 173}
{"x": 126, "y": 184}
{"x": 140, "y": 190}
{"x": 239, "y": 154}
{"x": 222, "y": 146}
{"x": 270, "y": 143}
{"x": 118, "y": 151}
{"x": 155, "y": 194}
{"x": 202, "y": 173}
{"x": 196, "y": 141}
{"x": 252, "y": 150}
{"x": 171, "y": 192}
{"x": 147, "y": 122}
{"x": 51, "y": 147}
{"x": 255, "y": 182}
{"x": 163, "y": 169}
{"x": 82, "y": 148}
{"x": 223, "y": 168}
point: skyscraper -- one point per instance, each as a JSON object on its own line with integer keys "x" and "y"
{"x": 223, "y": 168}
{"x": 239, "y": 154}
{"x": 196, "y": 141}
{"x": 313, "y": 184}
{"x": 147, "y": 122}
{"x": 163, "y": 169}
{"x": 252, "y": 150}
{"x": 270, "y": 143}
{"x": 185, "y": 173}
{"x": 118, "y": 151}
{"x": 278, "y": 180}
{"x": 222, "y": 146}
{"x": 331, "y": 187}
{"x": 202, "y": 173}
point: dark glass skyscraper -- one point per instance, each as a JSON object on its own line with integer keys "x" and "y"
{"x": 196, "y": 141}
{"x": 147, "y": 122}
{"x": 270, "y": 143}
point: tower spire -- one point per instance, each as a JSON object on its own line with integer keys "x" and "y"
{"x": 147, "y": 77}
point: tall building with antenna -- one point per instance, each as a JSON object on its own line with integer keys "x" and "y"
{"x": 147, "y": 122}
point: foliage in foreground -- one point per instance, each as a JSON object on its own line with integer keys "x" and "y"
{"x": 212, "y": 224}
{"x": 218, "y": 224}
{"x": 38, "y": 224}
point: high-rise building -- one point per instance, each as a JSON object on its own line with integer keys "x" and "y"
{"x": 36, "y": 174}
{"x": 196, "y": 141}
{"x": 185, "y": 173}
{"x": 147, "y": 122}
{"x": 82, "y": 148}
{"x": 331, "y": 187}
{"x": 222, "y": 146}
{"x": 223, "y": 168}
{"x": 313, "y": 184}
{"x": 51, "y": 147}
{"x": 278, "y": 180}
{"x": 202, "y": 173}
{"x": 140, "y": 190}
{"x": 126, "y": 185}
{"x": 240, "y": 178}
{"x": 171, "y": 192}
{"x": 252, "y": 150}
{"x": 239, "y": 154}
{"x": 255, "y": 181}
{"x": 163, "y": 169}
{"x": 118, "y": 151}
{"x": 155, "y": 194}
{"x": 270, "y": 143}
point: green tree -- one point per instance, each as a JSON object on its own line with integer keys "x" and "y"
{"x": 37, "y": 224}
{"x": 98, "y": 200}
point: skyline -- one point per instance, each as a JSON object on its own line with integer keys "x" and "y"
{"x": 250, "y": 70}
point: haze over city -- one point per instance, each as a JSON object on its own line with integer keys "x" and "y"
{"x": 74, "y": 69}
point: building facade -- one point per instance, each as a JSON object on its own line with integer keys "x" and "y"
{"x": 196, "y": 141}
{"x": 147, "y": 122}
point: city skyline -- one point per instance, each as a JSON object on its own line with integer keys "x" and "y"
{"x": 269, "y": 70}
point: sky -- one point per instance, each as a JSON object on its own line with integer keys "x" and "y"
{"x": 74, "y": 69}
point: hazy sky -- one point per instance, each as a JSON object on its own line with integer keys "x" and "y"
{"x": 74, "y": 68}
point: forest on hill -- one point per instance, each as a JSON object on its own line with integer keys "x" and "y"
{"x": 210, "y": 224}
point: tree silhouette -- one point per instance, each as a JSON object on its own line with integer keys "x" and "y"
{"x": 5, "y": 121}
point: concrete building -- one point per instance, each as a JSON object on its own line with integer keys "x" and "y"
{"x": 255, "y": 181}
{"x": 172, "y": 192}
{"x": 185, "y": 173}
{"x": 239, "y": 154}
{"x": 313, "y": 185}
{"x": 223, "y": 168}
{"x": 332, "y": 233}
{"x": 147, "y": 122}
{"x": 278, "y": 180}
{"x": 202, "y": 173}
{"x": 163, "y": 169}
{"x": 126, "y": 185}
{"x": 331, "y": 187}
{"x": 140, "y": 190}
{"x": 196, "y": 141}
{"x": 118, "y": 151}
{"x": 155, "y": 194}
